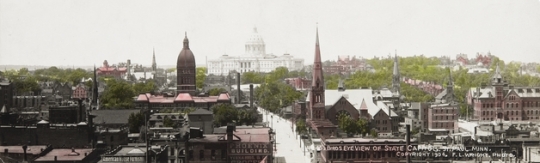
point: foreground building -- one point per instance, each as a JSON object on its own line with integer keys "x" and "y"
{"x": 238, "y": 145}
{"x": 255, "y": 59}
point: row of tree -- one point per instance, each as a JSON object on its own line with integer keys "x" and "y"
{"x": 227, "y": 113}
{"x": 119, "y": 93}
{"x": 27, "y": 81}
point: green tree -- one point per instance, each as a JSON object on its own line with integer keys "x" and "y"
{"x": 252, "y": 77}
{"x": 347, "y": 124}
{"x": 201, "y": 77}
{"x": 216, "y": 91}
{"x": 135, "y": 121}
{"x": 144, "y": 87}
{"x": 373, "y": 133}
{"x": 362, "y": 126}
{"x": 301, "y": 127}
{"x": 224, "y": 113}
{"x": 168, "y": 122}
{"x": 118, "y": 95}
{"x": 247, "y": 116}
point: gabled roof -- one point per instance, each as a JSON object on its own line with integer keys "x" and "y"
{"x": 201, "y": 112}
{"x": 224, "y": 96}
{"x": 183, "y": 97}
{"x": 142, "y": 97}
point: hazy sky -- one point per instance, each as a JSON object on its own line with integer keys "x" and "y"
{"x": 77, "y": 32}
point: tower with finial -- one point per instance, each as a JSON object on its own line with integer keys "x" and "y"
{"x": 317, "y": 111}
{"x": 185, "y": 70}
{"x": 396, "y": 83}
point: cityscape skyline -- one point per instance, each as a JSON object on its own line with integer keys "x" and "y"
{"x": 74, "y": 33}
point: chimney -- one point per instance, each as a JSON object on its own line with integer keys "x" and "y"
{"x": 238, "y": 87}
{"x": 408, "y": 141}
{"x": 24, "y": 147}
{"x": 6, "y": 150}
{"x": 55, "y": 158}
{"x": 231, "y": 127}
{"x": 475, "y": 130}
{"x": 251, "y": 95}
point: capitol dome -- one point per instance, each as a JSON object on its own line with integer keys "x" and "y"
{"x": 186, "y": 57}
{"x": 255, "y": 44}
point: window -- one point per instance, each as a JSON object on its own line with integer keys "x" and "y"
{"x": 213, "y": 154}
{"x": 201, "y": 154}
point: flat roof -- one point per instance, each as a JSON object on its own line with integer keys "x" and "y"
{"x": 65, "y": 155}
{"x": 34, "y": 149}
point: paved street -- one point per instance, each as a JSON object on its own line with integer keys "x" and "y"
{"x": 287, "y": 145}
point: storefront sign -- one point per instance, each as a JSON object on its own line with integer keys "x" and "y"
{"x": 250, "y": 149}
{"x": 121, "y": 159}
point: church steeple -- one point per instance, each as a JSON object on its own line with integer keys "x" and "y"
{"x": 154, "y": 65}
{"x": 318, "y": 78}
{"x": 316, "y": 102}
{"x": 396, "y": 76}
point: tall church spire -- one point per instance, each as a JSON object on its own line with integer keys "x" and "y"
{"x": 396, "y": 76}
{"x": 154, "y": 65}
{"x": 316, "y": 102}
{"x": 318, "y": 79}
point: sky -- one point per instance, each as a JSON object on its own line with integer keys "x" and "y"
{"x": 84, "y": 33}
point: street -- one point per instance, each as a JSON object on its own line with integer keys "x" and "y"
{"x": 287, "y": 145}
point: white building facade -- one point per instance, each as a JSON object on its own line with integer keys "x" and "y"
{"x": 255, "y": 59}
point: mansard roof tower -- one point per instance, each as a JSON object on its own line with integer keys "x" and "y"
{"x": 185, "y": 70}
{"x": 316, "y": 102}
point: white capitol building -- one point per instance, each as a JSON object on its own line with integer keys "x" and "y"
{"x": 255, "y": 59}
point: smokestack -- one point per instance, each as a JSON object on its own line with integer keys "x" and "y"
{"x": 251, "y": 95}
{"x": 94, "y": 88}
{"x": 408, "y": 141}
{"x": 238, "y": 87}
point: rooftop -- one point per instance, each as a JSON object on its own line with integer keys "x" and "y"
{"x": 34, "y": 150}
{"x": 65, "y": 155}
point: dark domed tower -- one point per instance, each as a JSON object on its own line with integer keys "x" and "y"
{"x": 185, "y": 70}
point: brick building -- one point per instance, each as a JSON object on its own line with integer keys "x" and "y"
{"x": 182, "y": 100}
{"x": 501, "y": 101}
{"x": 299, "y": 83}
{"x": 238, "y": 145}
{"x": 106, "y": 70}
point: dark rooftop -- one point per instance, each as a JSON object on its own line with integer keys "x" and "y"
{"x": 112, "y": 116}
